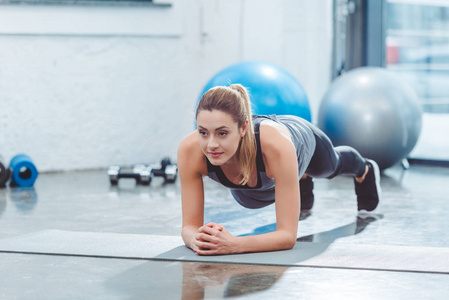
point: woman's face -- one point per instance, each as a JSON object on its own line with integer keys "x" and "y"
{"x": 219, "y": 135}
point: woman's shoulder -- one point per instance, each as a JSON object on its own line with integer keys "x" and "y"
{"x": 190, "y": 141}
{"x": 277, "y": 148}
{"x": 272, "y": 133}
{"x": 191, "y": 155}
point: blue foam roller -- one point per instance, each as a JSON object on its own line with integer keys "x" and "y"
{"x": 24, "y": 172}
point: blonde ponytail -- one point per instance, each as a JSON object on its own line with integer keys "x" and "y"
{"x": 248, "y": 147}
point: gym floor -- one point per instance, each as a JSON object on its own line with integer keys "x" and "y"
{"x": 412, "y": 213}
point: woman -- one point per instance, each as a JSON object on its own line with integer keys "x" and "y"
{"x": 249, "y": 154}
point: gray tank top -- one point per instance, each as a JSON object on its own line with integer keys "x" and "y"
{"x": 263, "y": 193}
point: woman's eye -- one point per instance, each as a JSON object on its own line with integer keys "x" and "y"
{"x": 223, "y": 133}
{"x": 203, "y": 133}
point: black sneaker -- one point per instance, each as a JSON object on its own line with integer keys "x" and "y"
{"x": 306, "y": 191}
{"x": 369, "y": 192}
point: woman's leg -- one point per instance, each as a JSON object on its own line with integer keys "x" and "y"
{"x": 329, "y": 161}
{"x": 306, "y": 190}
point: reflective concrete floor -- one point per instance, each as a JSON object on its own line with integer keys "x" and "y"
{"x": 413, "y": 213}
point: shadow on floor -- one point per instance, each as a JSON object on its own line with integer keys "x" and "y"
{"x": 353, "y": 228}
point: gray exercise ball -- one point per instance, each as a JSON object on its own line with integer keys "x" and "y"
{"x": 374, "y": 111}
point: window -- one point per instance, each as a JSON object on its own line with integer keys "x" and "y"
{"x": 417, "y": 49}
{"x": 417, "y": 41}
{"x": 411, "y": 39}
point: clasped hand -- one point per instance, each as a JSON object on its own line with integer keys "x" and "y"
{"x": 213, "y": 239}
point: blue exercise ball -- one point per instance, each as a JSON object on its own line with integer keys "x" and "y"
{"x": 272, "y": 90}
{"x": 374, "y": 111}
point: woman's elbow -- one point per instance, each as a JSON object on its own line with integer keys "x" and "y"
{"x": 186, "y": 234}
{"x": 290, "y": 244}
{"x": 286, "y": 240}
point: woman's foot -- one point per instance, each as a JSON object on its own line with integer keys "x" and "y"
{"x": 368, "y": 188}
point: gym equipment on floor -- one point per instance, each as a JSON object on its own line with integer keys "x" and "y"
{"x": 23, "y": 171}
{"x": 143, "y": 174}
{"x": 5, "y": 173}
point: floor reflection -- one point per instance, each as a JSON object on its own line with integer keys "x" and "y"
{"x": 162, "y": 280}
{"x": 232, "y": 280}
{"x": 24, "y": 199}
{"x": 156, "y": 191}
{"x": 2, "y": 203}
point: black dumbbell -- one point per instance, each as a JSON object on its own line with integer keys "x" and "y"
{"x": 167, "y": 170}
{"x": 141, "y": 173}
{"x": 5, "y": 173}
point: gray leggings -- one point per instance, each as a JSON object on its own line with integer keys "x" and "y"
{"x": 329, "y": 161}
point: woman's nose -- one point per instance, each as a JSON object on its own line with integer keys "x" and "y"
{"x": 212, "y": 143}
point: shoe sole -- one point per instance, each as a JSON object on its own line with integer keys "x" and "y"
{"x": 378, "y": 188}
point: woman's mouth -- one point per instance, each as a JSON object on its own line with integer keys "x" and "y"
{"x": 215, "y": 154}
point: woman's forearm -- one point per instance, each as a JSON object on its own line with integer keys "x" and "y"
{"x": 213, "y": 239}
{"x": 272, "y": 241}
{"x": 188, "y": 234}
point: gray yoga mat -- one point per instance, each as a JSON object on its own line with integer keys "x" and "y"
{"x": 156, "y": 247}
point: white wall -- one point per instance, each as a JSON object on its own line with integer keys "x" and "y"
{"x": 123, "y": 90}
